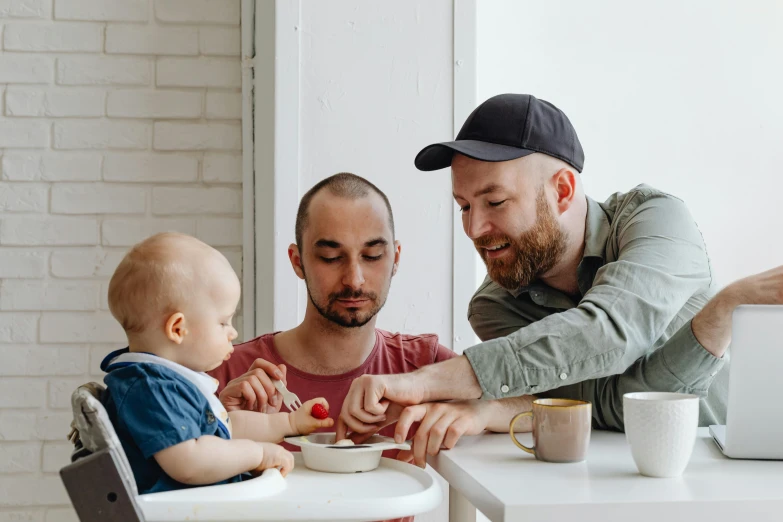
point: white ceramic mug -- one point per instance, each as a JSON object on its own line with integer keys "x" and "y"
{"x": 661, "y": 430}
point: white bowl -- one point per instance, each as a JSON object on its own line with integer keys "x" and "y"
{"x": 320, "y": 454}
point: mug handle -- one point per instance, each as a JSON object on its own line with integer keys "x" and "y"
{"x": 513, "y": 436}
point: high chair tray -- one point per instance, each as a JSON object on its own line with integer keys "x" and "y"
{"x": 393, "y": 490}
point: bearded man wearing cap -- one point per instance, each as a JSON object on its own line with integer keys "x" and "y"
{"x": 583, "y": 299}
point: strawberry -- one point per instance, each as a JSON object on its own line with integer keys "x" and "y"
{"x": 319, "y": 412}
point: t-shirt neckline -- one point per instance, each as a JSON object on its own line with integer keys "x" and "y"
{"x": 293, "y": 370}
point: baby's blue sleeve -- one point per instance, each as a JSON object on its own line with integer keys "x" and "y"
{"x": 159, "y": 413}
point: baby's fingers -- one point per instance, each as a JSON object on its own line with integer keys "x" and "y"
{"x": 287, "y": 464}
{"x": 313, "y": 424}
{"x": 325, "y": 423}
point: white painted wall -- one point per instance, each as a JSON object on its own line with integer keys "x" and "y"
{"x": 118, "y": 119}
{"x": 684, "y": 96}
{"x": 376, "y": 86}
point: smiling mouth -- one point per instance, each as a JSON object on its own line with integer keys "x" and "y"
{"x": 491, "y": 252}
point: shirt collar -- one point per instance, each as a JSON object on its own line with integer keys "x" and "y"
{"x": 597, "y": 229}
{"x": 113, "y": 355}
{"x": 106, "y": 362}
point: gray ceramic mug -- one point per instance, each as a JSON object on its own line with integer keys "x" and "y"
{"x": 561, "y": 429}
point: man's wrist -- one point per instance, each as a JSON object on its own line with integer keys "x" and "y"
{"x": 437, "y": 381}
{"x": 411, "y": 387}
{"x": 712, "y": 325}
{"x": 503, "y": 410}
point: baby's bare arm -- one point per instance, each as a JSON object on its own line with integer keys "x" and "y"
{"x": 261, "y": 427}
{"x": 209, "y": 459}
{"x": 273, "y": 427}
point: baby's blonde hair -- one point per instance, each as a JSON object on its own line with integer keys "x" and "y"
{"x": 153, "y": 280}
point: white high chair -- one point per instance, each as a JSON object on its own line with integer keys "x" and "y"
{"x": 101, "y": 486}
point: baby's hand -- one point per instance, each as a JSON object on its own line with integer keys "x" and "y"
{"x": 303, "y": 420}
{"x": 274, "y": 456}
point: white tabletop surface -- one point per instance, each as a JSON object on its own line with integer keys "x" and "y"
{"x": 507, "y": 484}
{"x": 393, "y": 490}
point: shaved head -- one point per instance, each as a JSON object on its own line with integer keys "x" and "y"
{"x": 344, "y": 185}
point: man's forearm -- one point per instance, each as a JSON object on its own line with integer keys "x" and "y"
{"x": 503, "y": 410}
{"x": 712, "y": 325}
{"x": 449, "y": 380}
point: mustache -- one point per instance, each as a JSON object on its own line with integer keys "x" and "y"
{"x": 348, "y": 293}
{"x": 486, "y": 241}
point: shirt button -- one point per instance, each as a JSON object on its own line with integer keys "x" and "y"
{"x": 563, "y": 376}
{"x": 713, "y": 374}
{"x": 504, "y": 388}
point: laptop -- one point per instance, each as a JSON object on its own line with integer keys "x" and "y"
{"x": 754, "y": 416}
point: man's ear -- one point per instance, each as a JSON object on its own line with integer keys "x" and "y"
{"x": 564, "y": 182}
{"x": 397, "y": 249}
{"x": 175, "y": 328}
{"x": 296, "y": 260}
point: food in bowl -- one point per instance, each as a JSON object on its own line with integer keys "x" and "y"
{"x": 344, "y": 442}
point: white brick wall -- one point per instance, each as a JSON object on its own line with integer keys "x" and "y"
{"x": 103, "y": 70}
{"x": 27, "y": 101}
{"x": 56, "y": 37}
{"x": 25, "y": 8}
{"x": 118, "y": 119}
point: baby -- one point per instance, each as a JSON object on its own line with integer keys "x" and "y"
{"x": 175, "y": 297}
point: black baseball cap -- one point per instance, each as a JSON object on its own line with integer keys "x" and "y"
{"x": 507, "y": 127}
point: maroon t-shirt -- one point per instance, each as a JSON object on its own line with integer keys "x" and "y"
{"x": 393, "y": 353}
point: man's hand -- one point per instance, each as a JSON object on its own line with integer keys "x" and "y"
{"x": 254, "y": 391}
{"x": 304, "y": 423}
{"x": 442, "y": 425}
{"x": 369, "y": 397}
{"x": 364, "y": 408}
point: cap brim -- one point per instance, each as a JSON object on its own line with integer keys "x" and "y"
{"x": 438, "y": 155}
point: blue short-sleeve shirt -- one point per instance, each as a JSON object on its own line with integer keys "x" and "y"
{"x": 153, "y": 408}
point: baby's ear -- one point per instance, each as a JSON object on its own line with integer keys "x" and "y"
{"x": 175, "y": 327}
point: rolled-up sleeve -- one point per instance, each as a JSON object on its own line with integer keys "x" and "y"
{"x": 661, "y": 261}
{"x": 681, "y": 365}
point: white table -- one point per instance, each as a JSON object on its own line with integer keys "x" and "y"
{"x": 490, "y": 473}
{"x": 391, "y": 491}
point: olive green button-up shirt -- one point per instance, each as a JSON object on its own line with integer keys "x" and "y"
{"x": 644, "y": 274}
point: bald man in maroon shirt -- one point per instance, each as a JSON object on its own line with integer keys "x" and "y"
{"x": 346, "y": 253}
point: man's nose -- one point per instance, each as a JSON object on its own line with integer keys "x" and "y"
{"x": 475, "y": 224}
{"x": 354, "y": 276}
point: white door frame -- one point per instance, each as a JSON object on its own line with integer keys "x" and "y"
{"x": 464, "y": 263}
{"x": 271, "y": 90}
{"x": 272, "y": 190}
{"x": 248, "y": 175}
